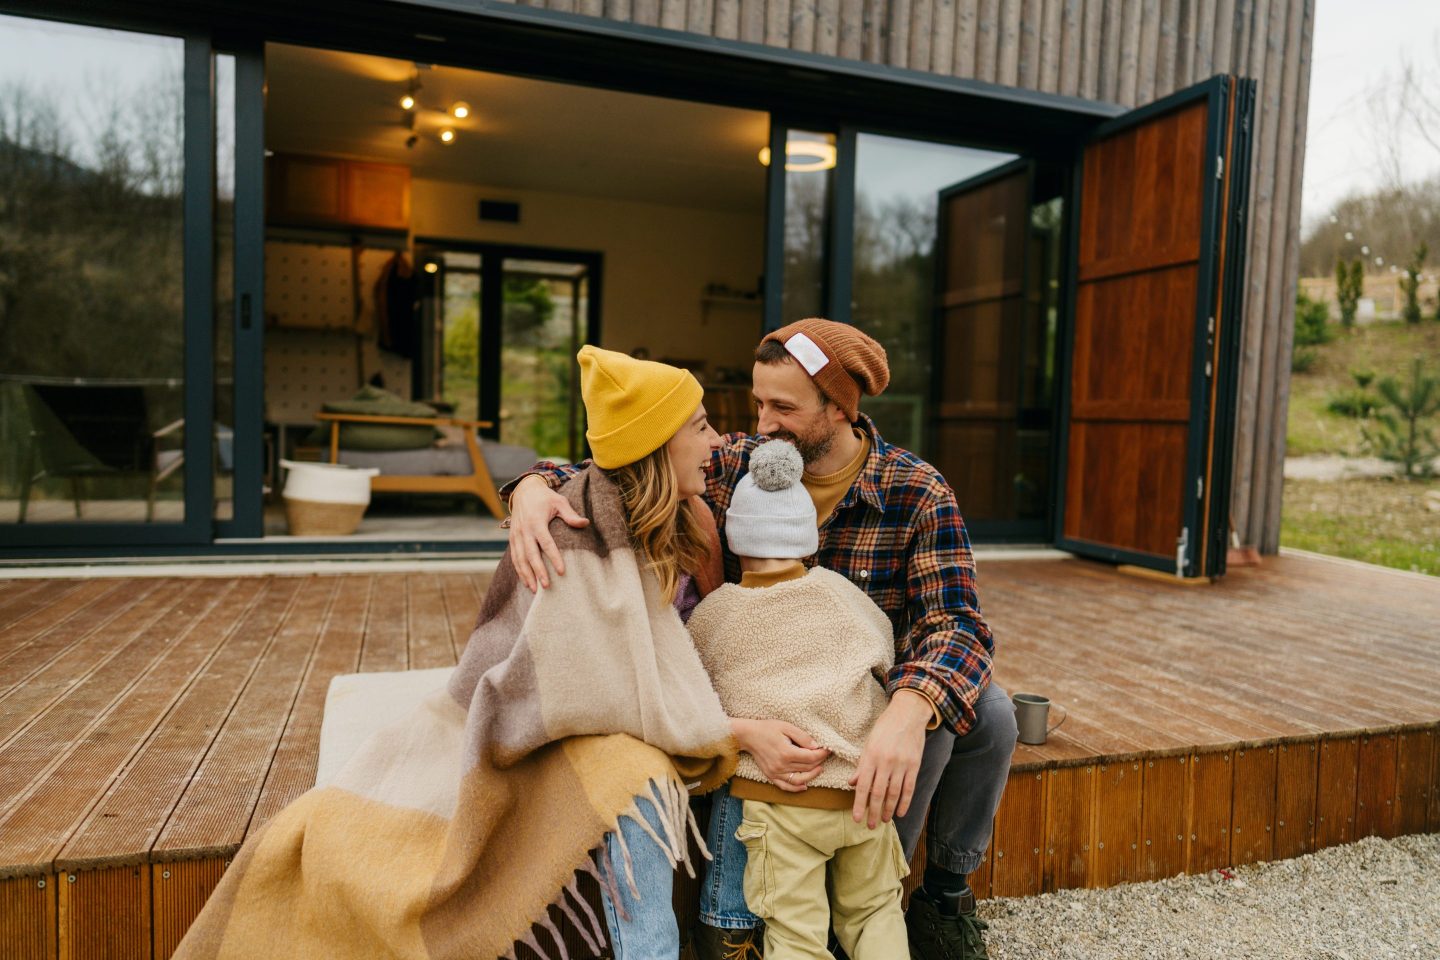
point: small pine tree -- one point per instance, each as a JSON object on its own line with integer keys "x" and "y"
{"x": 1410, "y": 285}
{"x": 1406, "y": 435}
{"x": 1349, "y": 284}
{"x": 1312, "y": 318}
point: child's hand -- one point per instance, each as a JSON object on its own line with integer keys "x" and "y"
{"x": 788, "y": 756}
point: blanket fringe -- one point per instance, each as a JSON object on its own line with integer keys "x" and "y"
{"x": 677, "y": 825}
{"x": 554, "y": 932}
{"x": 589, "y": 928}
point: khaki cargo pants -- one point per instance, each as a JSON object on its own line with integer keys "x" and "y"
{"x": 792, "y": 851}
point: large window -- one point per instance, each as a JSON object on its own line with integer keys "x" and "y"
{"x": 91, "y": 274}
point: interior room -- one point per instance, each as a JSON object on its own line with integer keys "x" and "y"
{"x": 440, "y": 241}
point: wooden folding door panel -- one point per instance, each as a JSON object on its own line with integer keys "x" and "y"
{"x": 1145, "y": 345}
{"x": 980, "y": 313}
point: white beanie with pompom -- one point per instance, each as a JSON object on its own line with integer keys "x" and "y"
{"x": 771, "y": 514}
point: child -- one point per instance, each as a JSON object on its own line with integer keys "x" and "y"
{"x": 811, "y": 649}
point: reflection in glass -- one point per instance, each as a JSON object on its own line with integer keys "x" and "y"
{"x": 807, "y": 200}
{"x": 91, "y": 339}
{"x": 224, "y": 451}
{"x": 897, "y": 186}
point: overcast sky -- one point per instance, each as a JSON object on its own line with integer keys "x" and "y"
{"x": 1357, "y": 44}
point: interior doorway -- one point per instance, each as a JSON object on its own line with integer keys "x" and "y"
{"x": 506, "y": 324}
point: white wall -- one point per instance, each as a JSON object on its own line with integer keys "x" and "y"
{"x": 658, "y": 261}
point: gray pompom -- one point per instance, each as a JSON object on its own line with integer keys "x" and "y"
{"x": 776, "y": 465}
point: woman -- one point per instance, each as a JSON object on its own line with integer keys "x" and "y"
{"x": 570, "y": 736}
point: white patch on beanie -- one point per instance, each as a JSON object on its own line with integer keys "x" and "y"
{"x": 808, "y": 352}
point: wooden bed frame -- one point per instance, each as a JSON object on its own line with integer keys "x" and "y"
{"x": 478, "y": 483}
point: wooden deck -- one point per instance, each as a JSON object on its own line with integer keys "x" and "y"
{"x": 148, "y": 725}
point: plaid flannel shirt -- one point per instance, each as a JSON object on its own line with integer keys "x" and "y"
{"x": 898, "y": 535}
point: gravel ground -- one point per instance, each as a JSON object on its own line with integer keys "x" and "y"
{"x": 1369, "y": 900}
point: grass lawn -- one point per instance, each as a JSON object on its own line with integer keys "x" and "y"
{"x": 1383, "y": 348}
{"x": 1382, "y": 521}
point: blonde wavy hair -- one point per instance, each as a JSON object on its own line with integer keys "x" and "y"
{"x": 670, "y": 539}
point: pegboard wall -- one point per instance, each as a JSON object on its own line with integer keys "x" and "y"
{"x": 311, "y": 285}
{"x": 316, "y": 350}
{"x": 306, "y": 368}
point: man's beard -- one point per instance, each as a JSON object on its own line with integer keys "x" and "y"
{"x": 812, "y": 445}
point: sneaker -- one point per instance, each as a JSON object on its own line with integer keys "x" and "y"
{"x": 936, "y": 936}
{"x": 714, "y": 943}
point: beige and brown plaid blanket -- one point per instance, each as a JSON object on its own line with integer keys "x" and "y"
{"x": 461, "y": 832}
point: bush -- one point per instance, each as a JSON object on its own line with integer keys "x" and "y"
{"x": 1362, "y": 378}
{"x": 1410, "y": 285}
{"x": 1356, "y": 404}
{"x": 1302, "y": 360}
{"x": 1405, "y": 433}
{"x": 1349, "y": 288}
{"x": 1312, "y": 321}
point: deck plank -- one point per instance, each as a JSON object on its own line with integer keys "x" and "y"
{"x": 21, "y": 598}
{"x": 189, "y": 730}
{"x": 1252, "y": 838}
{"x": 1375, "y": 786}
{"x": 1165, "y": 816}
{"x": 1118, "y": 823}
{"x": 62, "y": 602}
{"x": 463, "y": 594}
{"x": 385, "y": 647}
{"x": 1336, "y": 788}
{"x": 1019, "y": 840}
{"x": 214, "y": 812}
{"x": 1212, "y": 778}
{"x": 187, "y": 698}
{"x": 428, "y": 627}
{"x": 22, "y": 661}
{"x": 1412, "y": 793}
{"x": 293, "y": 770}
{"x": 66, "y": 785}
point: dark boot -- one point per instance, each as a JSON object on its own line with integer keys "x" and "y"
{"x": 714, "y": 943}
{"x": 948, "y": 931}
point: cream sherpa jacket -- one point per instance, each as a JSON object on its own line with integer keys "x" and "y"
{"x": 813, "y": 652}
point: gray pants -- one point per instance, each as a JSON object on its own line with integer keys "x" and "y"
{"x": 959, "y": 787}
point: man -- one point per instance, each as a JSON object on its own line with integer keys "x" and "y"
{"x": 888, "y": 522}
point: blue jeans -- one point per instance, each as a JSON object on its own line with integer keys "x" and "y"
{"x": 963, "y": 776}
{"x": 649, "y": 931}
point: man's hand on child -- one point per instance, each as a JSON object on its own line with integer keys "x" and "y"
{"x": 788, "y": 756}
{"x": 532, "y": 506}
{"x": 884, "y": 779}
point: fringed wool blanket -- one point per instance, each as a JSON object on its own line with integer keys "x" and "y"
{"x": 461, "y": 832}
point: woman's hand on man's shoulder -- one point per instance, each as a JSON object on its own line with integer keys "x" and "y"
{"x": 532, "y": 506}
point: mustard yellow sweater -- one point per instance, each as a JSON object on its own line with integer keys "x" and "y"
{"x": 812, "y": 651}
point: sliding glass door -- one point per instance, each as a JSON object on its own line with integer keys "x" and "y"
{"x": 107, "y": 160}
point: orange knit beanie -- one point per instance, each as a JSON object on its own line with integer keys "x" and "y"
{"x": 841, "y": 359}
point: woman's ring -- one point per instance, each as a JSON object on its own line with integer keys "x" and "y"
{"x": 790, "y": 776}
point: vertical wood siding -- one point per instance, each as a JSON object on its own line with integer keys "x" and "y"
{"x": 1128, "y": 52}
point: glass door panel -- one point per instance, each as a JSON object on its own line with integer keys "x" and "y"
{"x": 543, "y": 306}
{"x": 97, "y": 282}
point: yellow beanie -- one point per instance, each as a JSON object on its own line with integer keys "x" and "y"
{"x": 633, "y": 407}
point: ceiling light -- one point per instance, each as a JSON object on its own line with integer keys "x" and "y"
{"x": 407, "y": 102}
{"x": 447, "y": 135}
{"x": 804, "y": 156}
{"x": 460, "y": 110}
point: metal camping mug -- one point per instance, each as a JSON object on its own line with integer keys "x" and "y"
{"x": 1032, "y": 716}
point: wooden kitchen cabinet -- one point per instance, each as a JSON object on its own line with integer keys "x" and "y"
{"x": 309, "y": 191}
